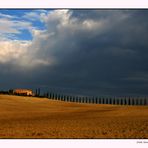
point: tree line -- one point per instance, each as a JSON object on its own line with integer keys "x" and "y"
{"x": 124, "y": 100}
{"x": 99, "y": 100}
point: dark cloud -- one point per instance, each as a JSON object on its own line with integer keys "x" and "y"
{"x": 94, "y": 52}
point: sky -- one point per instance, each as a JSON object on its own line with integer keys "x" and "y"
{"x": 89, "y": 52}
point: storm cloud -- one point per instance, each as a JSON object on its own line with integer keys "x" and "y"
{"x": 93, "y": 52}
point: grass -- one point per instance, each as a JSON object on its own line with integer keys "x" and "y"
{"x": 28, "y": 117}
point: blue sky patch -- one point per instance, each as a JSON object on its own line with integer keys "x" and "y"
{"x": 21, "y": 16}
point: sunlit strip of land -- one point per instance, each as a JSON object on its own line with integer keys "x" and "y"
{"x": 30, "y": 117}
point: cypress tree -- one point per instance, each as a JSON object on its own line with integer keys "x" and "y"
{"x": 89, "y": 99}
{"x": 121, "y": 101}
{"x": 79, "y": 99}
{"x": 50, "y": 95}
{"x": 58, "y": 96}
{"x": 137, "y": 102}
{"x": 64, "y": 98}
{"x": 102, "y": 100}
{"x": 47, "y": 95}
{"x": 96, "y": 100}
{"x": 74, "y": 98}
{"x": 129, "y": 101}
{"x": 53, "y": 96}
{"x": 110, "y": 101}
{"x": 106, "y": 100}
{"x": 82, "y": 99}
{"x": 38, "y": 91}
{"x": 86, "y": 99}
{"x": 114, "y": 101}
{"x": 133, "y": 101}
{"x": 99, "y": 100}
{"x": 145, "y": 101}
{"x": 141, "y": 102}
{"x": 125, "y": 102}
{"x": 67, "y": 98}
{"x": 70, "y": 98}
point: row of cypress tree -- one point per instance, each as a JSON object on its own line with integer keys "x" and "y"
{"x": 99, "y": 100}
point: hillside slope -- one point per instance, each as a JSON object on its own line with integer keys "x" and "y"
{"x": 28, "y": 117}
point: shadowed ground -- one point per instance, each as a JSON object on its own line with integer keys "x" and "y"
{"x": 28, "y": 117}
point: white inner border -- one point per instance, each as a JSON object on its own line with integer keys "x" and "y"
{"x": 74, "y": 143}
{"x": 14, "y": 4}
{"x": 73, "y": 3}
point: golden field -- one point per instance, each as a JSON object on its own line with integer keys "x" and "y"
{"x": 30, "y": 117}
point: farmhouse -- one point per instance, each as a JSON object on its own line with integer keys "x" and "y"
{"x": 26, "y": 92}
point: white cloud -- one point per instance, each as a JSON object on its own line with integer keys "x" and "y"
{"x": 36, "y": 15}
{"x": 21, "y": 53}
{"x": 7, "y": 16}
{"x": 32, "y": 16}
{"x": 61, "y": 37}
{"x": 8, "y": 26}
{"x": 12, "y": 50}
{"x": 11, "y": 28}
